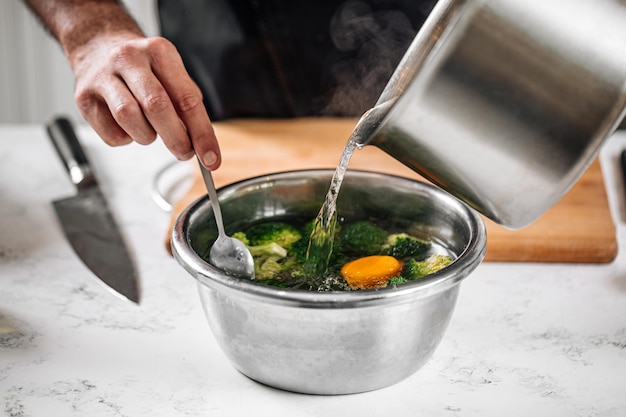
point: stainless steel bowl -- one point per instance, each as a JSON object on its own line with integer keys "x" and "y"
{"x": 331, "y": 342}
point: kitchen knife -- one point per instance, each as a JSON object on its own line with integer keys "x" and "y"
{"x": 86, "y": 219}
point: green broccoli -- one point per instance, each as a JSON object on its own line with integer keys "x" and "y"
{"x": 284, "y": 269}
{"x": 268, "y": 250}
{"x": 272, "y": 262}
{"x": 266, "y": 256}
{"x": 397, "y": 280}
{"x": 267, "y": 268}
{"x": 402, "y": 246}
{"x": 280, "y": 233}
{"x": 261, "y": 250}
{"x": 417, "y": 269}
{"x": 242, "y": 236}
{"x": 267, "y": 259}
{"x": 362, "y": 238}
{"x": 299, "y": 249}
{"x": 278, "y": 251}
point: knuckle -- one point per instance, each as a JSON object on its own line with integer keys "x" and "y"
{"x": 85, "y": 100}
{"x": 160, "y": 47}
{"x": 203, "y": 138}
{"x": 156, "y": 103}
{"x": 188, "y": 102}
{"x": 123, "y": 53}
{"x": 124, "y": 112}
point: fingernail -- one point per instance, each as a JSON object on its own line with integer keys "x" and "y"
{"x": 209, "y": 158}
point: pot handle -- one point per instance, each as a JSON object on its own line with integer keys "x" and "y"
{"x": 168, "y": 181}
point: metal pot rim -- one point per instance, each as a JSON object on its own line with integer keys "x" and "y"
{"x": 465, "y": 263}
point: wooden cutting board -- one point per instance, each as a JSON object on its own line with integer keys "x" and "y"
{"x": 578, "y": 229}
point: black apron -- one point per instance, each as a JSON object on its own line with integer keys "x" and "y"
{"x": 286, "y": 58}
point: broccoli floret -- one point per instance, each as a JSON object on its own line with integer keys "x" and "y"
{"x": 242, "y": 236}
{"x": 280, "y": 233}
{"x": 267, "y": 250}
{"x": 397, "y": 280}
{"x": 435, "y": 263}
{"x": 285, "y": 270}
{"x": 298, "y": 250}
{"x": 402, "y": 246}
{"x": 274, "y": 263}
{"x": 292, "y": 269}
{"x": 268, "y": 268}
{"x": 278, "y": 251}
{"x": 417, "y": 269}
{"x": 362, "y": 238}
{"x": 261, "y": 250}
{"x": 266, "y": 259}
{"x": 265, "y": 256}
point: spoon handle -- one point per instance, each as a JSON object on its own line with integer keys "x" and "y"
{"x": 215, "y": 204}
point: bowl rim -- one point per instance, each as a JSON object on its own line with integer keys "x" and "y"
{"x": 215, "y": 279}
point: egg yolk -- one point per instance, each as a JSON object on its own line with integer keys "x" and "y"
{"x": 371, "y": 271}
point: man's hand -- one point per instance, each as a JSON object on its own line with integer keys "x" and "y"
{"x": 129, "y": 87}
{"x": 132, "y": 88}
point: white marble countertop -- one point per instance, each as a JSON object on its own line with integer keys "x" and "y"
{"x": 525, "y": 339}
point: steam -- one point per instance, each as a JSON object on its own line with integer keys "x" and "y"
{"x": 373, "y": 43}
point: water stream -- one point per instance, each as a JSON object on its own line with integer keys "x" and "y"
{"x": 323, "y": 234}
{"x": 324, "y": 227}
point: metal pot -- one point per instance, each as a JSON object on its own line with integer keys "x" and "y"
{"x": 331, "y": 342}
{"x": 505, "y": 103}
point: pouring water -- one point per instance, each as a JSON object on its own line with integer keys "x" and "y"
{"x": 322, "y": 236}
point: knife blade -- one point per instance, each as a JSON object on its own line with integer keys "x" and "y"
{"x": 86, "y": 219}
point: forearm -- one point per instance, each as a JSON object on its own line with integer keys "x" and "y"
{"x": 76, "y": 22}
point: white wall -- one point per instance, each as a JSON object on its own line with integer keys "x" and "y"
{"x": 35, "y": 80}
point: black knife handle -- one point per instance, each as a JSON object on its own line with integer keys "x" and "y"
{"x": 71, "y": 152}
